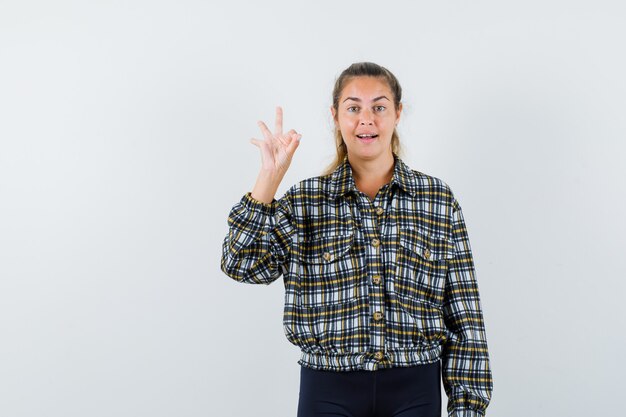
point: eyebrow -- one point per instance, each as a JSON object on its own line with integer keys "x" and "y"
{"x": 358, "y": 99}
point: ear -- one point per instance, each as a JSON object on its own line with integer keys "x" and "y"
{"x": 398, "y": 112}
{"x": 334, "y": 114}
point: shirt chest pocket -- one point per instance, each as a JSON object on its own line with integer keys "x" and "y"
{"x": 329, "y": 269}
{"x": 421, "y": 266}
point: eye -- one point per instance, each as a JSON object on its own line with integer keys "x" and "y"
{"x": 379, "y": 108}
{"x": 352, "y": 109}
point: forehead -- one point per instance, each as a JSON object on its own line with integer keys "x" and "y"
{"x": 366, "y": 88}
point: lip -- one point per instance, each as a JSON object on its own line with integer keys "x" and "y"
{"x": 367, "y": 139}
{"x": 371, "y": 136}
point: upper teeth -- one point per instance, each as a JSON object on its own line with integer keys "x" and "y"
{"x": 365, "y": 136}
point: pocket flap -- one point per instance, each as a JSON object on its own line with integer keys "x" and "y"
{"x": 324, "y": 249}
{"x": 428, "y": 246}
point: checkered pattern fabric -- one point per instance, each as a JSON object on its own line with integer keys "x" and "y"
{"x": 370, "y": 283}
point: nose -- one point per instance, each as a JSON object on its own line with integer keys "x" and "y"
{"x": 366, "y": 117}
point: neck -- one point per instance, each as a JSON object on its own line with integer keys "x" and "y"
{"x": 372, "y": 171}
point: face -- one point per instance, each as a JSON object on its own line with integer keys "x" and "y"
{"x": 367, "y": 117}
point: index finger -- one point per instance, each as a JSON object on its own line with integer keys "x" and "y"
{"x": 278, "y": 124}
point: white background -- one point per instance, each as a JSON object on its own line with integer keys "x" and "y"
{"x": 125, "y": 130}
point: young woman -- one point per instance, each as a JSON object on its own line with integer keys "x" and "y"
{"x": 381, "y": 294}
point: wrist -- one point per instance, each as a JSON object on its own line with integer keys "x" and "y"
{"x": 266, "y": 186}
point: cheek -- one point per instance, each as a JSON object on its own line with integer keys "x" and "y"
{"x": 346, "y": 123}
{"x": 389, "y": 123}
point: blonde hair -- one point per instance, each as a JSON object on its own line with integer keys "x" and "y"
{"x": 363, "y": 69}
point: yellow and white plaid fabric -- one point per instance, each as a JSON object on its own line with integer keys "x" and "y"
{"x": 370, "y": 283}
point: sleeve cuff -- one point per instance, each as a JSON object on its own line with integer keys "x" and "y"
{"x": 251, "y": 204}
{"x": 465, "y": 413}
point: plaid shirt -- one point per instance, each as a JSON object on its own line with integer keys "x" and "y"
{"x": 370, "y": 283}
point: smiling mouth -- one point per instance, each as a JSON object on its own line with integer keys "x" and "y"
{"x": 366, "y": 136}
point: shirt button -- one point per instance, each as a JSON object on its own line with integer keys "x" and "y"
{"x": 426, "y": 253}
{"x": 379, "y": 210}
{"x": 327, "y": 256}
{"x": 376, "y": 279}
{"x": 378, "y": 316}
{"x": 378, "y": 355}
{"x": 375, "y": 242}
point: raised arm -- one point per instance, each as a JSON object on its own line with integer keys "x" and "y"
{"x": 260, "y": 228}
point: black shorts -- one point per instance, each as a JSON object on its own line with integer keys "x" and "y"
{"x": 413, "y": 391}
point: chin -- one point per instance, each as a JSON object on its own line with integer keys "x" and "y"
{"x": 375, "y": 146}
{"x": 369, "y": 153}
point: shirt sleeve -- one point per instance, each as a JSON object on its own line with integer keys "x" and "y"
{"x": 258, "y": 242}
{"x": 466, "y": 372}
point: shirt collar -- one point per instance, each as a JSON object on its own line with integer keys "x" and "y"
{"x": 342, "y": 181}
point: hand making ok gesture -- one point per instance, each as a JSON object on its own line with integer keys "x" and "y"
{"x": 278, "y": 148}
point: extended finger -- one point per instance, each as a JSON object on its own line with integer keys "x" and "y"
{"x": 266, "y": 132}
{"x": 278, "y": 124}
